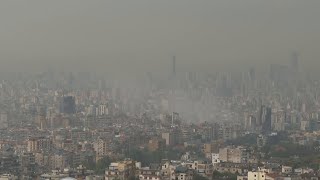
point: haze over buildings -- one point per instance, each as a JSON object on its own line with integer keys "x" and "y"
{"x": 159, "y": 90}
{"x": 107, "y": 36}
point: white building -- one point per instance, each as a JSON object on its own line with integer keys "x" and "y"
{"x": 103, "y": 110}
{"x": 8, "y": 177}
{"x": 286, "y": 169}
{"x": 215, "y": 158}
{"x": 259, "y": 175}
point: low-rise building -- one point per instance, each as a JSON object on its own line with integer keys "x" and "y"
{"x": 8, "y": 177}
{"x": 120, "y": 170}
{"x": 215, "y": 158}
{"x": 148, "y": 174}
{"x": 233, "y": 155}
{"x": 182, "y": 173}
{"x": 286, "y": 169}
{"x": 258, "y": 175}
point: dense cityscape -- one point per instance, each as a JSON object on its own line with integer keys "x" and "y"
{"x": 159, "y": 90}
{"x": 183, "y": 126}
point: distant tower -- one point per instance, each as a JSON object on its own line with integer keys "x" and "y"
{"x": 295, "y": 62}
{"x": 174, "y": 66}
{"x": 173, "y": 84}
{"x": 252, "y": 74}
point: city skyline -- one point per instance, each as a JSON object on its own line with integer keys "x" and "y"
{"x": 159, "y": 90}
{"x": 205, "y": 36}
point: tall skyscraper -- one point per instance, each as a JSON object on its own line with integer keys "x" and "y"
{"x": 252, "y": 74}
{"x": 68, "y": 105}
{"x": 265, "y": 119}
{"x": 174, "y": 66}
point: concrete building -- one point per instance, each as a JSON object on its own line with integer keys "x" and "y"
{"x": 54, "y": 175}
{"x": 169, "y": 138}
{"x": 8, "y": 177}
{"x": 208, "y": 148}
{"x": 203, "y": 168}
{"x": 259, "y": 175}
{"x": 233, "y": 155}
{"x": 59, "y": 160}
{"x": 41, "y": 121}
{"x": 101, "y": 148}
{"x": 28, "y": 164}
{"x": 261, "y": 141}
{"x": 68, "y": 105}
{"x": 182, "y": 173}
{"x": 215, "y": 158}
{"x": 103, "y": 110}
{"x": 36, "y": 144}
{"x": 278, "y": 120}
{"x": 120, "y": 170}
{"x": 42, "y": 159}
{"x": 148, "y": 174}
{"x": 286, "y": 169}
{"x": 9, "y": 162}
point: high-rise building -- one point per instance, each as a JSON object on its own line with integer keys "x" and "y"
{"x": 68, "y": 105}
{"x": 252, "y": 74}
{"x": 41, "y": 121}
{"x": 265, "y": 119}
{"x": 249, "y": 122}
{"x": 3, "y": 120}
{"x": 278, "y": 120}
{"x": 103, "y": 110}
{"x": 101, "y": 148}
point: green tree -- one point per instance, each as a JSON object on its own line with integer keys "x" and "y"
{"x": 198, "y": 177}
{"x": 102, "y": 164}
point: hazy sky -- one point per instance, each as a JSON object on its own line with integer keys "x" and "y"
{"x": 142, "y": 35}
